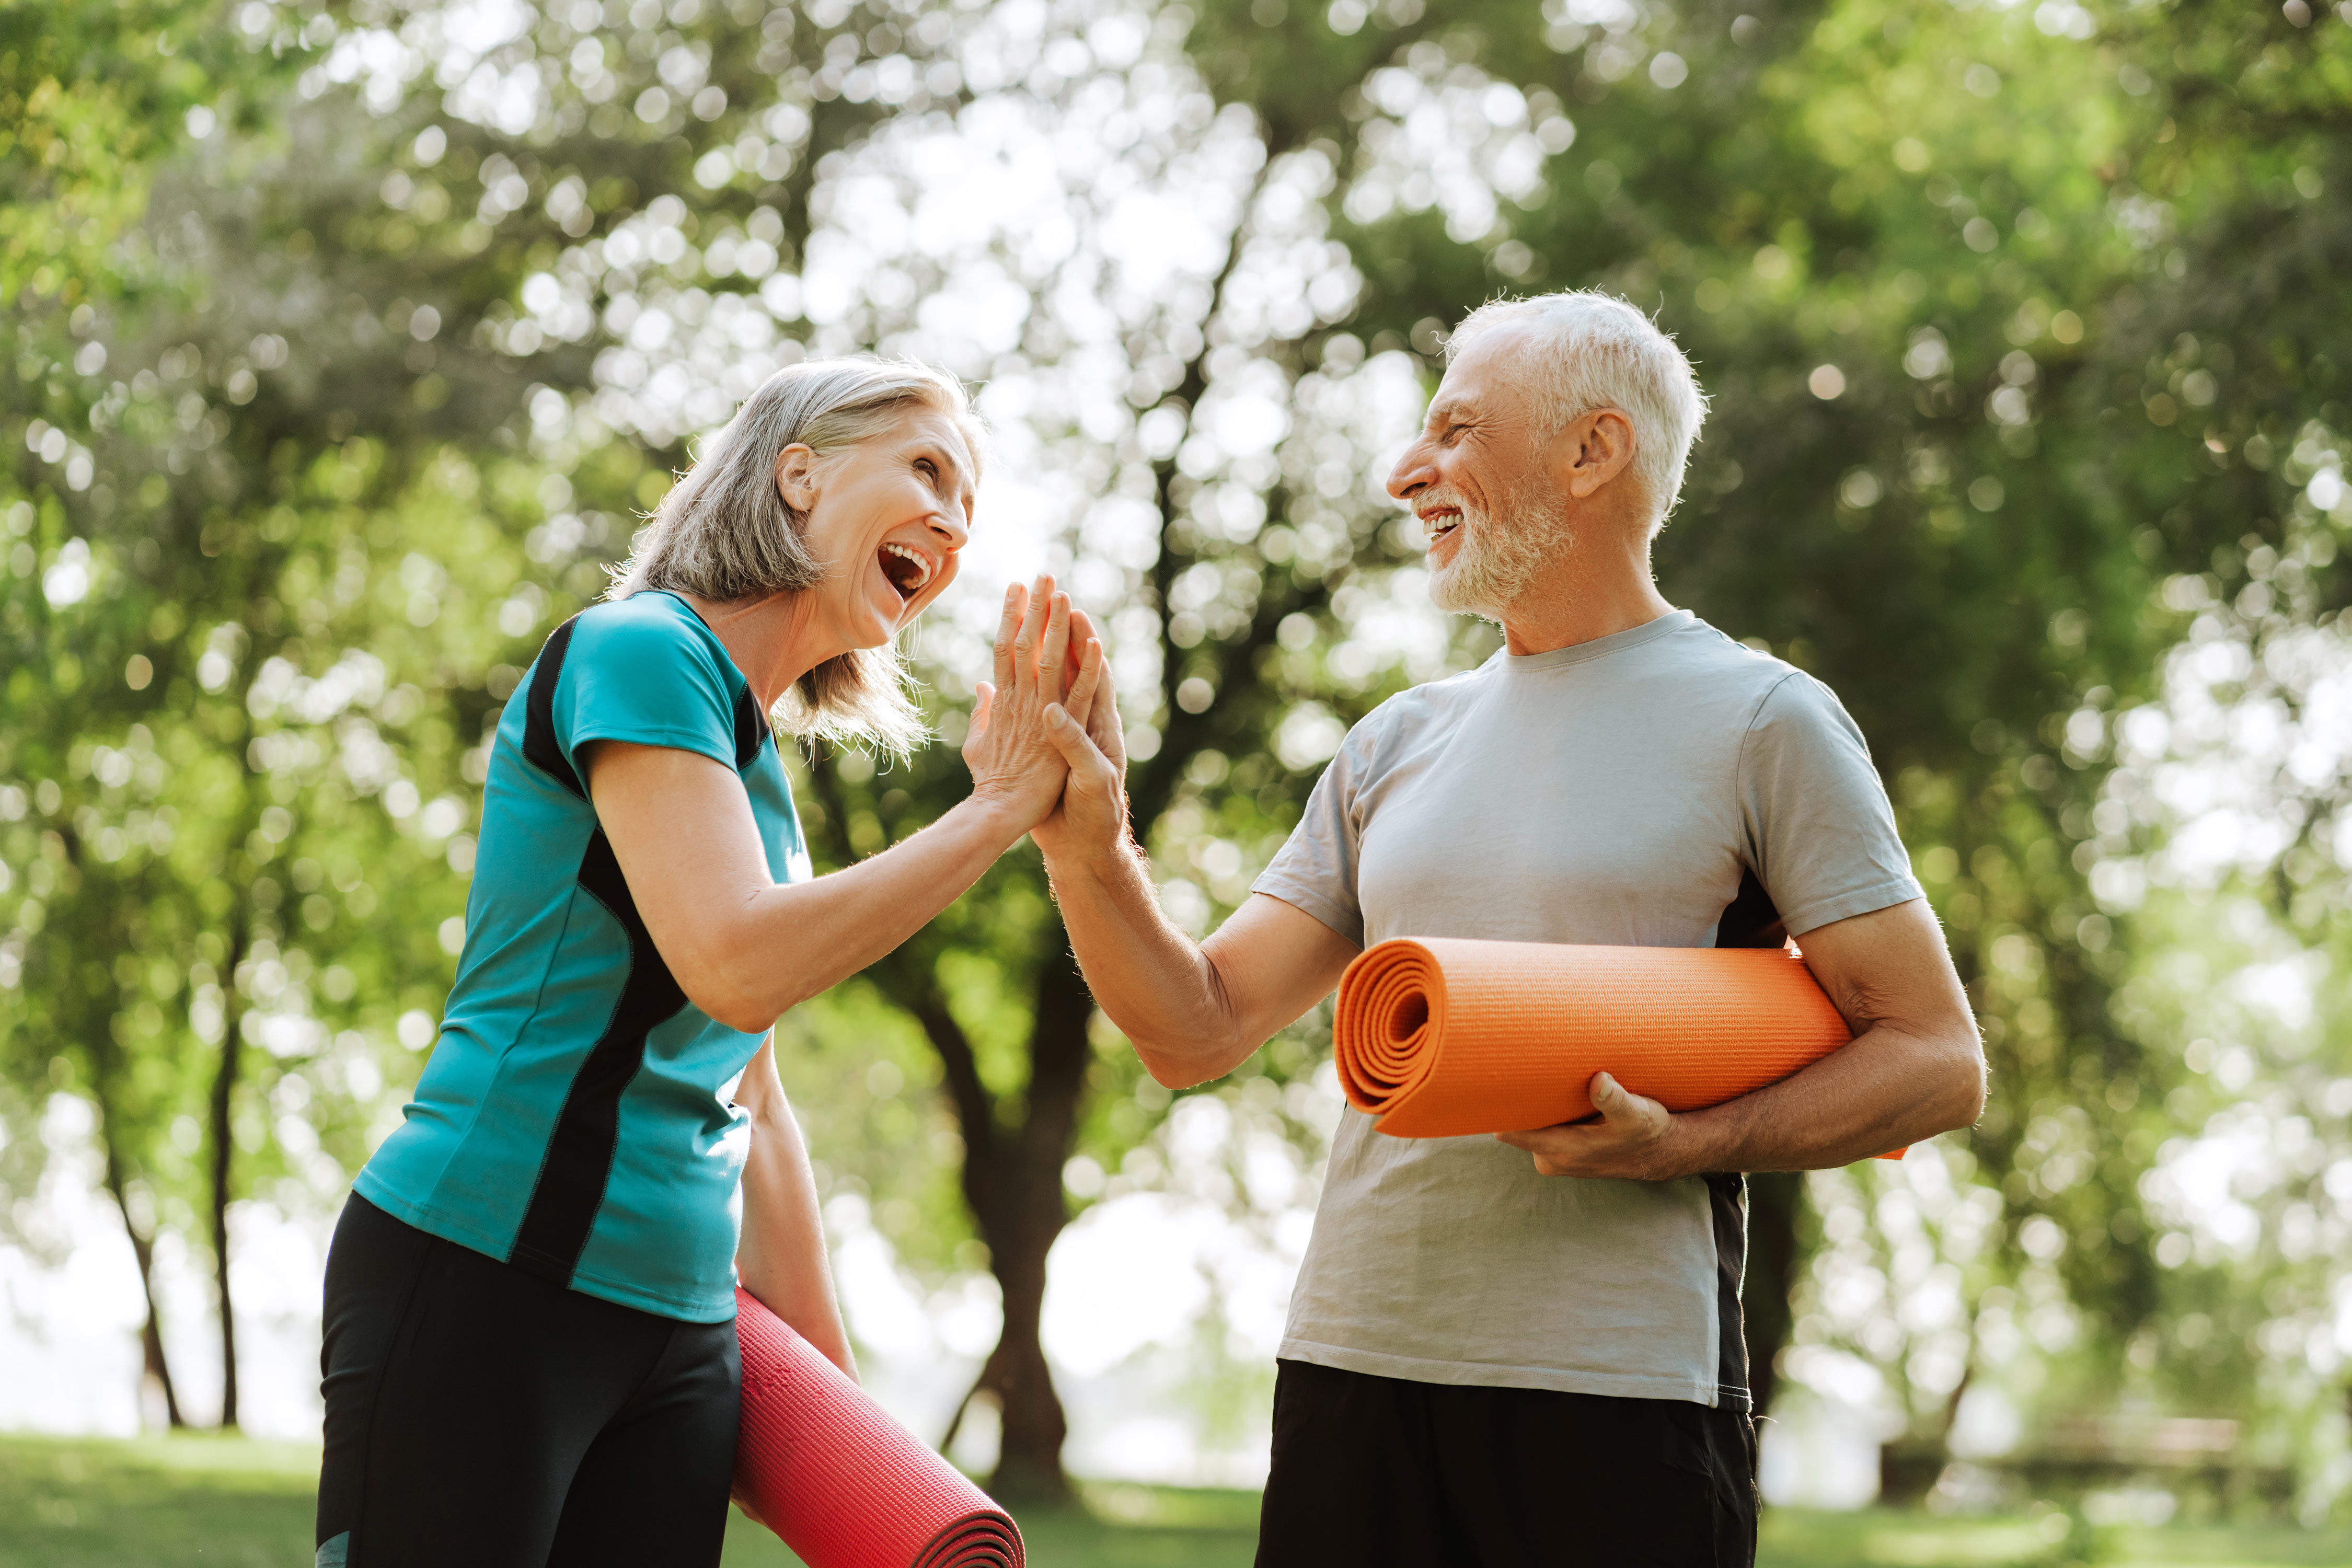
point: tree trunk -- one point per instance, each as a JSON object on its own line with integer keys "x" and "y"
{"x": 1030, "y": 1215}
{"x": 224, "y": 1153}
{"x": 1013, "y": 1185}
{"x": 143, "y": 1248}
{"x": 1773, "y": 1199}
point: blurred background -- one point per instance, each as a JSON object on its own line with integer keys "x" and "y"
{"x": 349, "y": 341}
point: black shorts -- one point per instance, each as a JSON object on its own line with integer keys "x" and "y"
{"x": 477, "y": 1417}
{"x": 1373, "y": 1471}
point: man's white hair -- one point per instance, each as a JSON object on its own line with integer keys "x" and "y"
{"x": 1586, "y": 350}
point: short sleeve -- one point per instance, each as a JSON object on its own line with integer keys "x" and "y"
{"x": 1315, "y": 869}
{"x": 1820, "y": 834}
{"x": 640, "y": 674}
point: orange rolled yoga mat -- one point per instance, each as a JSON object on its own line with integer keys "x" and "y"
{"x": 845, "y": 1485}
{"x": 1442, "y": 1038}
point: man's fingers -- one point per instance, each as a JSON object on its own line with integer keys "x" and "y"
{"x": 1070, "y": 739}
{"x": 1620, "y": 1107}
{"x": 1080, "y": 699}
{"x": 1080, "y": 634}
{"x": 1007, "y": 628}
{"x": 980, "y": 709}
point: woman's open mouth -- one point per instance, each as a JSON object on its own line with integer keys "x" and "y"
{"x": 908, "y": 569}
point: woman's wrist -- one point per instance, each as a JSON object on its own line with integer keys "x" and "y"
{"x": 994, "y": 812}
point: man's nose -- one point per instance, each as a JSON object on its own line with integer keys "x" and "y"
{"x": 1413, "y": 473}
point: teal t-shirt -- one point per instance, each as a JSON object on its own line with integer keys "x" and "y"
{"x": 571, "y": 1121}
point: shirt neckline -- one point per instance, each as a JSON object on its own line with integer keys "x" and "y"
{"x": 1599, "y": 647}
{"x": 707, "y": 631}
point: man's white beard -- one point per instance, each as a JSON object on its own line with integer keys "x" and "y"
{"x": 1499, "y": 557}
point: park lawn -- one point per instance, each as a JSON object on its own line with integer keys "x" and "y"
{"x": 202, "y": 1502}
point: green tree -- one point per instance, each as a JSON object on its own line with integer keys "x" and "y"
{"x": 1985, "y": 380}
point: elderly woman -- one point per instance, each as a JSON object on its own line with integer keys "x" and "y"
{"x": 529, "y": 1342}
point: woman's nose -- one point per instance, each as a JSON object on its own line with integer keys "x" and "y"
{"x": 950, "y": 527}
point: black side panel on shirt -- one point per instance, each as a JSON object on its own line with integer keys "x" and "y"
{"x": 751, "y": 731}
{"x": 1748, "y": 921}
{"x": 1726, "y": 1201}
{"x": 580, "y": 1155}
{"x": 539, "y": 744}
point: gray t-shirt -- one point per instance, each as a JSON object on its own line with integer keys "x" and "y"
{"x": 1616, "y": 792}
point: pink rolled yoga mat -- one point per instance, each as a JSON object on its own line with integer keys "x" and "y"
{"x": 845, "y": 1485}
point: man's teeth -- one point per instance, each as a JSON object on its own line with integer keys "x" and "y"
{"x": 916, "y": 558}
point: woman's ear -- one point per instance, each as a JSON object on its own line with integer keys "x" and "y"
{"x": 796, "y": 471}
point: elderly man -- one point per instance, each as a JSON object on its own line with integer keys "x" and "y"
{"x": 1529, "y": 1351}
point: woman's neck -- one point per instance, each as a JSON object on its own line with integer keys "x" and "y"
{"x": 772, "y": 639}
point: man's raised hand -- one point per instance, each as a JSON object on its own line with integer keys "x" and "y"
{"x": 1091, "y": 816}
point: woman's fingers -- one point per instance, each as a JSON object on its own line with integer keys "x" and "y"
{"x": 1024, "y": 641}
{"x": 1054, "y": 648}
{"x": 1007, "y": 628}
{"x": 985, "y": 699}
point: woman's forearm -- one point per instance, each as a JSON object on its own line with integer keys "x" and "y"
{"x": 788, "y": 941}
{"x": 743, "y": 947}
{"x": 780, "y": 1259}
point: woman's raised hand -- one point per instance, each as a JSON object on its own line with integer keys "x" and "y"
{"x": 1011, "y": 748}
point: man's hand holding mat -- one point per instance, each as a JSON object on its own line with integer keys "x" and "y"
{"x": 1441, "y": 1038}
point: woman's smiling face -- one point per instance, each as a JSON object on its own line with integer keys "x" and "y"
{"x": 889, "y": 518}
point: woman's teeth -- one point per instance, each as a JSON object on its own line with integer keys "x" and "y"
{"x": 907, "y": 570}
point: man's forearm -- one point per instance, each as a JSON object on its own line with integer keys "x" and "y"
{"x": 1887, "y": 1090}
{"x": 1150, "y": 978}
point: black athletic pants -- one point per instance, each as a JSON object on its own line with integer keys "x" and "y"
{"x": 1376, "y": 1470}
{"x": 477, "y": 1417}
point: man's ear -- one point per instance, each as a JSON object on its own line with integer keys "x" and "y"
{"x": 1593, "y": 450}
{"x": 796, "y": 474}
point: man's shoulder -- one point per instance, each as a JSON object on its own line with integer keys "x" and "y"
{"x": 1701, "y": 648}
{"x": 1416, "y": 706}
{"x": 1746, "y": 670}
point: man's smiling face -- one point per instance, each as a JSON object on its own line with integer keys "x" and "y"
{"x": 1475, "y": 479}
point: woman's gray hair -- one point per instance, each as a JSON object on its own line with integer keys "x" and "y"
{"x": 723, "y": 533}
{"x": 1589, "y": 350}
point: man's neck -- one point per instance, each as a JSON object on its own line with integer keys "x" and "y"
{"x": 1553, "y": 616}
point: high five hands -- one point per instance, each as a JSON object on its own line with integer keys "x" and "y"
{"x": 1046, "y": 733}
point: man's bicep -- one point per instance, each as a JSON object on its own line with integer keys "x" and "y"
{"x": 1274, "y": 961}
{"x": 1889, "y": 966}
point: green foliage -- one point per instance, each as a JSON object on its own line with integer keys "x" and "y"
{"x": 332, "y": 385}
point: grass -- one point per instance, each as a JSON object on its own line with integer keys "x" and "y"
{"x": 202, "y": 1502}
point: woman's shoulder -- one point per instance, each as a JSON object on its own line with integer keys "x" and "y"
{"x": 651, "y": 629}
